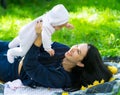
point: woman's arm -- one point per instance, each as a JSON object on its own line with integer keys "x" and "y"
{"x": 44, "y": 76}
{"x": 38, "y": 29}
{"x": 38, "y": 72}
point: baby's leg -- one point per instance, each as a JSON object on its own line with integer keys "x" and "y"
{"x": 14, "y": 43}
{"x": 15, "y": 52}
{"x": 10, "y": 57}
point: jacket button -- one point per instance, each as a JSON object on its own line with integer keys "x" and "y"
{"x": 34, "y": 86}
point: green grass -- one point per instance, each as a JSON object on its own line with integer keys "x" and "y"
{"x": 95, "y": 21}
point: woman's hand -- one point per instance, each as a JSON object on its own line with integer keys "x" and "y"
{"x": 38, "y": 27}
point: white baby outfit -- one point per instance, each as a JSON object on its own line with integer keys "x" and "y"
{"x": 20, "y": 45}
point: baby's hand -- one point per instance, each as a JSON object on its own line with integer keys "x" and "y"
{"x": 51, "y": 52}
{"x": 69, "y": 26}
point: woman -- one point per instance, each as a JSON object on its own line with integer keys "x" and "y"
{"x": 69, "y": 68}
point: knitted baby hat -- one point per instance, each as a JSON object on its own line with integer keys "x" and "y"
{"x": 58, "y": 15}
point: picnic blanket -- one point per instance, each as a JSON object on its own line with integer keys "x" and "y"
{"x": 107, "y": 88}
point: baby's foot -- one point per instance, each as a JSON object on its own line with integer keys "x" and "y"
{"x": 10, "y": 57}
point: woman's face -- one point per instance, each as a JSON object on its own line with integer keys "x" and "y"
{"x": 77, "y": 53}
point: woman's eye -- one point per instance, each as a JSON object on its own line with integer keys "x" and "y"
{"x": 78, "y": 51}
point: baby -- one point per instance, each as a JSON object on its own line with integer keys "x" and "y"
{"x": 54, "y": 19}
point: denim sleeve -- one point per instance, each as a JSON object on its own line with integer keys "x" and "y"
{"x": 3, "y": 47}
{"x": 41, "y": 74}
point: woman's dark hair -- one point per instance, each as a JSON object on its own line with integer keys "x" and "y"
{"x": 93, "y": 69}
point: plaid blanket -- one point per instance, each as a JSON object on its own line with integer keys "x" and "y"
{"x": 107, "y": 88}
{"x": 1, "y": 89}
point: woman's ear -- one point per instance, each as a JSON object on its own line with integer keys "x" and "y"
{"x": 80, "y": 64}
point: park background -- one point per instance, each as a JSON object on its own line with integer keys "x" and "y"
{"x": 95, "y": 21}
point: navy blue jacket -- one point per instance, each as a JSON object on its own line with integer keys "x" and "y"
{"x": 40, "y": 69}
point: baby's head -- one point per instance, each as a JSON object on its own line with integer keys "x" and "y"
{"x": 58, "y": 16}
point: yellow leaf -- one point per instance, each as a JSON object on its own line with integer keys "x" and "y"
{"x": 83, "y": 88}
{"x": 102, "y": 81}
{"x": 112, "y": 78}
{"x": 95, "y": 82}
{"x": 90, "y": 86}
{"x": 113, "y": 69}
{"x": 65, "y": 93}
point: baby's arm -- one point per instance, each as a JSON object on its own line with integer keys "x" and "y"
{"x": 46, "y": 40}
{"x": 69, "y": 26}
{"x": 14, "y": 43}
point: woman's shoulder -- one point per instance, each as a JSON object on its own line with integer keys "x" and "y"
{"x": 58, "y": 44}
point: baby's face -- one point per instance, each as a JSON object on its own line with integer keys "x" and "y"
{"x": 60, "y": 26}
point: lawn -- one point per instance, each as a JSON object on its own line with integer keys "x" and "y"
{"x": 95, "y": 21}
